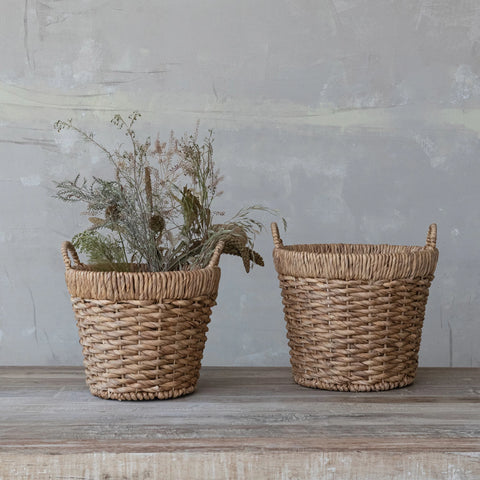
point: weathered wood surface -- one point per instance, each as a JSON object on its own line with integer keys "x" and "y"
{"x": 242, "y": 423}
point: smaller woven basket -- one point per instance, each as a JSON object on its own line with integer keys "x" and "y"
{"x": 354, "y": 313}
{"x": 142, "y": 333}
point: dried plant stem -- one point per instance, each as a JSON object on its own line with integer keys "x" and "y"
{"x": 158, "y": 215}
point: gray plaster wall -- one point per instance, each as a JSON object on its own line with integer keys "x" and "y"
{"x": 358, "y": 119}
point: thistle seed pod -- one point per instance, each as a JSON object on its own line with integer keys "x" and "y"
{"x": 112, "y": 212}
{"x": 157, "y": 223}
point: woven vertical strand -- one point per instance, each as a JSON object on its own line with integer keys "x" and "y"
{"x": 349, "y": 330}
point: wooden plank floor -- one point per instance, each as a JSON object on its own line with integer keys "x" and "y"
{"x": 242, "y": 423}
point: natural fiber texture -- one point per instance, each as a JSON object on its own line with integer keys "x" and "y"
{"x": 348, "y": 329}
{"x": 142, "y": 333}
{"x": 121, "y": 286}
{"x": 355, "y": 262}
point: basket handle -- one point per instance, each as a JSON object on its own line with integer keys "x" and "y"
{"x": 431, "y": 236}
{"x": 216, "y": 254}
{"x": 277, "y": 241}
{"x": 68, "y": 248}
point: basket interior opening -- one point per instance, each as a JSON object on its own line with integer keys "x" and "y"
{"x": 343, "y": 248}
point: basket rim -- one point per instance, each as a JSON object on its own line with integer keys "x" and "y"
{"x": 403, "y": 249}
{"x": 84, "y": 267}
{"x": 355, "y": 261}
{"x": 157, "y": 286}
{"x": 299, "y": 260}
{"x": 83, "y": 282}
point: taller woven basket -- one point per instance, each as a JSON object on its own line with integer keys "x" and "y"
{"x": 354, "y": 313}
{"x": 142, "y": 333}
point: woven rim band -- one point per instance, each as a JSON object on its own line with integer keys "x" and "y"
{"x": 355, "y": 261}
{"x": 120, "y": 286}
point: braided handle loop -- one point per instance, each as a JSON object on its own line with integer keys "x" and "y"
{"x": 277, "y": 241}
{"x": 68, "y": 248}
{"x": 432, "y": 236}
{"x": 216, "y": 254}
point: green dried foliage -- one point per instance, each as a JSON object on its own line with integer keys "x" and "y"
{"x": 104, "y": 251}
{"x": 157, "y": 211}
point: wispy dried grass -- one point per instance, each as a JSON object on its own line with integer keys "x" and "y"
{"x": 157, "y": 211}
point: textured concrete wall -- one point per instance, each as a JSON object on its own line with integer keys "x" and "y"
{"x": 358, "y": 119}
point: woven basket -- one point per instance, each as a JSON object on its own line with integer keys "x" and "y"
{"x": 354, "y": 313}
{"x": 142, "y": 333}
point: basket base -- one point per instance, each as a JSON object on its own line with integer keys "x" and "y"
{"x": 353, "y": 387}
{"x": 112, "y": 395}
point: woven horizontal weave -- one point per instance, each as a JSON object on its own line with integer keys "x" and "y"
{"x": 86, "y": 283}
{"x": 142, "y": 333}
{"x": 354, "y": 313}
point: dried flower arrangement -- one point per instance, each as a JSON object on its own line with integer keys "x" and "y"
{"x": 156, "y": 214}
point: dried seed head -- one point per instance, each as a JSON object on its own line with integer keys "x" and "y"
{"x": 112, "y": 212}
{"x": 157, "y": 223}
{"x": 96, "y": 222}
{"x": 148, "y": 188}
